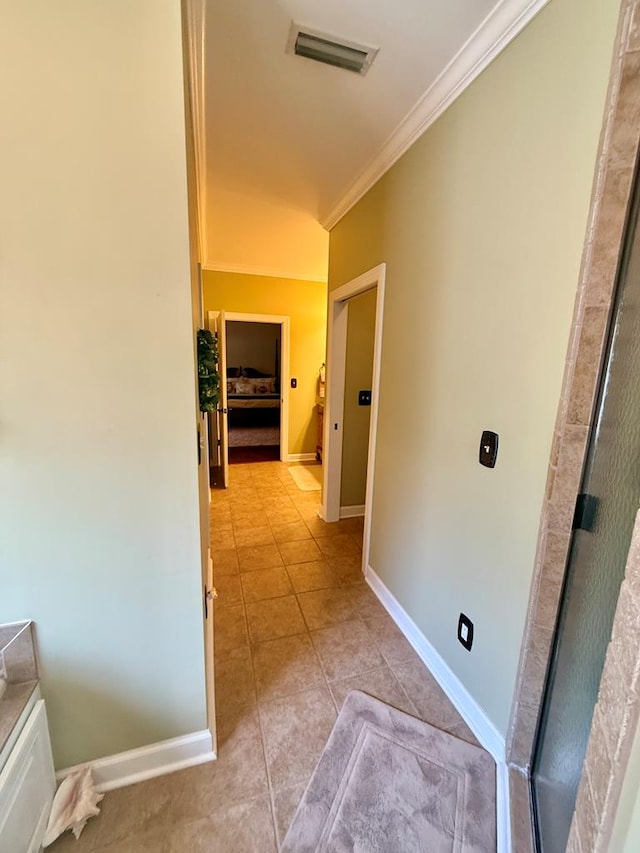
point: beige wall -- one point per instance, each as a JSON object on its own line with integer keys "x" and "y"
{"x": 481, "y": 225}
{"x": 99, "y": 515}
{"x": 253, "y": 345}
{"x": 306, "y": 304}
{"x": 361, "y": 324}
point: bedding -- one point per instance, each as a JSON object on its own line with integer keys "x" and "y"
{"x": 252, "y": 392}
{"x": 271, "y": 401}
{"x": 251, "y": 387}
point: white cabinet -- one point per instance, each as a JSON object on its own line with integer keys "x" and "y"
{"x": 27, "y": 786}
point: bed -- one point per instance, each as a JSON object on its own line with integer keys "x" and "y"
{"x": 245, "y": 392}
{"x": 253, "y": 401}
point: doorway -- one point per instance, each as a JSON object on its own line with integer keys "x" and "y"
{"x": 252, "y": 420}
{"x": 336, "y": 386}
{"x": 603, "y": 524}
{"x": 253, "y": 390}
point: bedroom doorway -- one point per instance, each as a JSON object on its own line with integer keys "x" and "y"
{"x": 336, "y": 389}
{"x": 252, "y": 421}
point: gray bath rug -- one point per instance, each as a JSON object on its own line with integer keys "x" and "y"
{"x": 388, "y": 783}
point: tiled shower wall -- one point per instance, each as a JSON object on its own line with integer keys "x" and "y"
{"x": 615, "y": 719}
{"x": 604, "y": 239}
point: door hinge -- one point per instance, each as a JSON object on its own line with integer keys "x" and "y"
{"x": 209, "y": 595}
{"x": 584, "y": 516}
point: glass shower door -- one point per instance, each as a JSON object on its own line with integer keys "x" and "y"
{"x": 604, "y": 521}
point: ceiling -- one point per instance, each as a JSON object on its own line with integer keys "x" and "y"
{"x": 293, "y": 134}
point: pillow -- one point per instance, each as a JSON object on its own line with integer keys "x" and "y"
{"x": 243, "y": 386}
{"x": 234, "y": 372}
{"x": 264, "y": 386}
{"x": 255, "y": 387}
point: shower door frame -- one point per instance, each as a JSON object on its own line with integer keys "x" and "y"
{"x": 606, "y": 230}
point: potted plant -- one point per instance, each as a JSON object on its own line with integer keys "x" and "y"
{"x": 208, "y": 376}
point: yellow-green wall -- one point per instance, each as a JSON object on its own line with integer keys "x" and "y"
{"x": 98, "y": 464}
{"x": 305, "y": 302}
{"x": 361, "y": 320}
{"x": 481, "y": 225}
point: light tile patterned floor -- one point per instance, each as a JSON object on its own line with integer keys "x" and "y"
{"x": 296, "y": 629}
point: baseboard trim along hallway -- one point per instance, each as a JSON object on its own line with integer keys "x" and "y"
{"x": 468, "y": 708}
{"x": 156, "y": 759}
{"x": 301, "y": 457}
{"x": 352, "y": 511}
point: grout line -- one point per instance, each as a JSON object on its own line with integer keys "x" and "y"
{"x": 357, "y": 616}
{"x": 270, "y": 790}
{"x": 260, "y": 704}
{"x": 263, "y": 742}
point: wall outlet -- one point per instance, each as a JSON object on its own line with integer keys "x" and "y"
{"x": 465, "y": 631}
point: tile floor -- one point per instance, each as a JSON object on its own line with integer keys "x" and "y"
{"x": 296, "y": 629}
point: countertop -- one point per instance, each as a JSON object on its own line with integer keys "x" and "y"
{"x": 13, "y": 702}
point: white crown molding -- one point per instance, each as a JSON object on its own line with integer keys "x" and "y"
{"x": 194, "y": 34}
{"x": 146, "y": 762}
{"x": 499, "y": 28}
{"x": 472, "y": 713}
{"x": 269, "y": 272}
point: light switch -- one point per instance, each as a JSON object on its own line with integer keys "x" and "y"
{"x": 488, "y": 449}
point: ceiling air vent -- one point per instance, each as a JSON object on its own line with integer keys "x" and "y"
{"x": 312, "y": 44}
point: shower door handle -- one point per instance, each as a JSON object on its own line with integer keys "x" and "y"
{"x": 586, "y": 511}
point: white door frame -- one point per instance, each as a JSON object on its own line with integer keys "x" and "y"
{"x": 285, "y": 324}
{"x": 334, "y": 403}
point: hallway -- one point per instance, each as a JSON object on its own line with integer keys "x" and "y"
{"x": 296, "y": 629}
{"x": 196, "y": 157}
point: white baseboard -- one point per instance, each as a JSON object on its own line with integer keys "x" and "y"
{"x": 503, "y": 807}
{"x": 468, "y": 708}
{"x": 301, "y": 457}
{"x": 352, "y": 511}
{"x": 157, "y": 759}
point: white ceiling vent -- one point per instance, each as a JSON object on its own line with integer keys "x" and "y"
{"x": 313, "y": 44}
